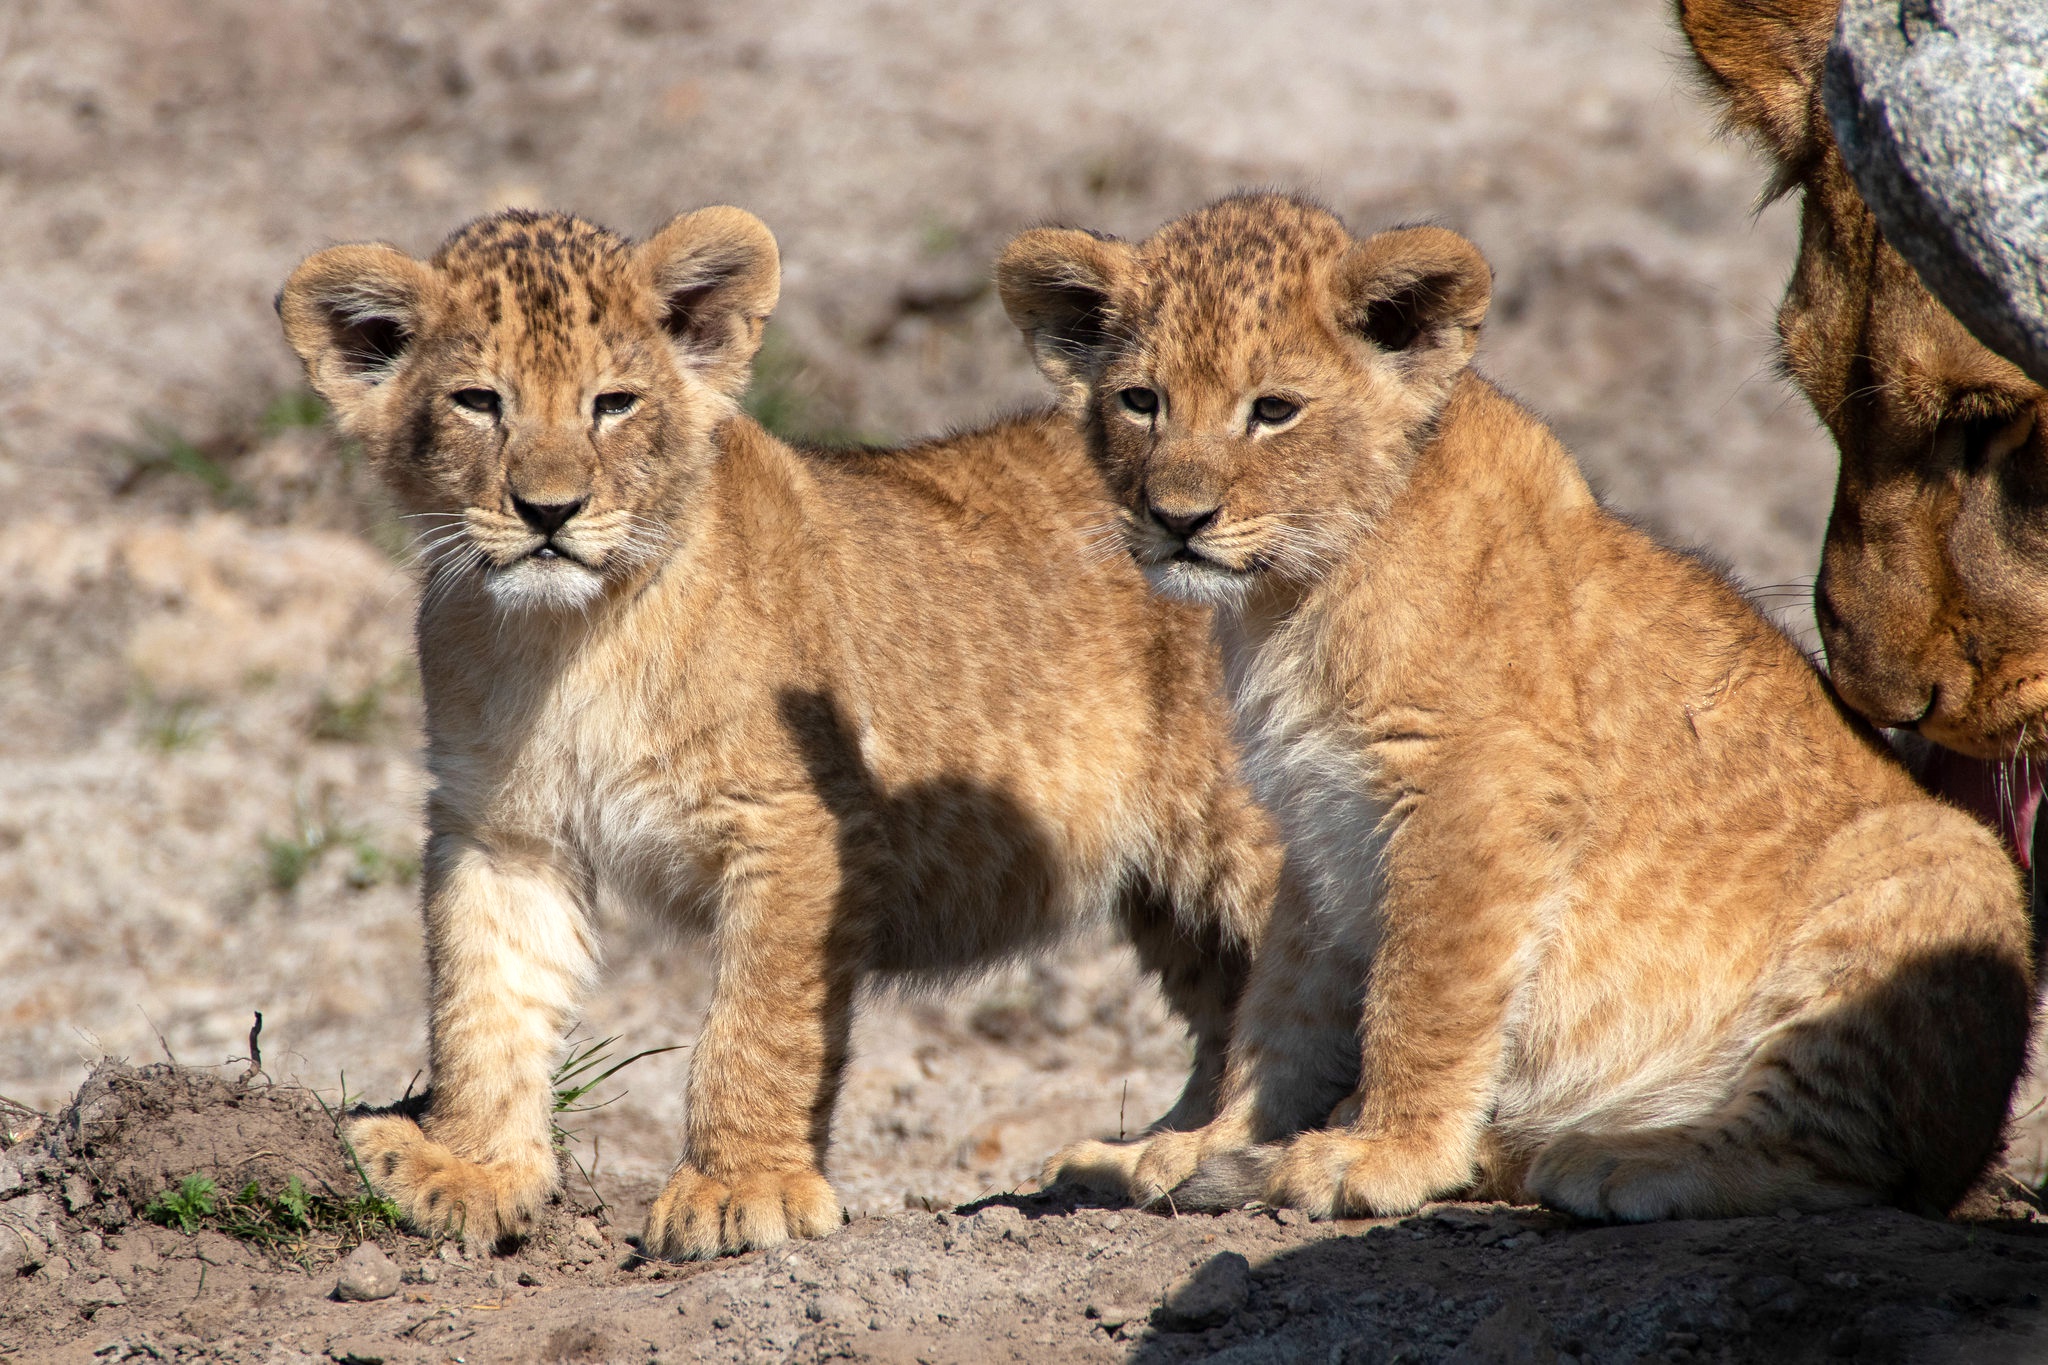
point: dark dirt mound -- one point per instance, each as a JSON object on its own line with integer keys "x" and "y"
{"x": 85, "y": 1275}
{"x": 130, "y": 1135}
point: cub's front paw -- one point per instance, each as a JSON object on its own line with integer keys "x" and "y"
{"x": 483, "y": 1203}
{"x": 1336, "y": 1174}
{"x": 697, "y": 1218}
{"x": 1145, "y": 1171}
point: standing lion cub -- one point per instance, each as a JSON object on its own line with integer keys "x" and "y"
{"x": 845, "y": 712}
{"x": 1626, "y": 916}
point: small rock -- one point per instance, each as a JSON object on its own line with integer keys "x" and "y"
{"x": 1516, "y": 1335}
{"x": 91, "y": 1295}
{"x": 427, "y": 1273}
{"x": 10, "y": 1178}
{"x": 494, "y": 1280}
{"x": 529, "y": 1280}
{"x": 720, "y": 1322}
{"x": 1789, "y": 1214}
{"x": 1290, "y": 1218}
{"x": 999, "y": 1220}
{"x": 588, "y": 1231}
{"x": 841, "y": 1310}
{"x": 1111, "y": 1316}
{"x": 450, "y": 1252}
{"x": 77, "y": 1192}
{"x": 1778, "y": 1297}
{"x": 1209, "y": 1296}
{"x": 366, "y": 1274}
{"x": 355, "y": 1351}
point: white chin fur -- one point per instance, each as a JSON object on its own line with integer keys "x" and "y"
{"x": 544, "y": 585}
{"x": 1203, "y": 584}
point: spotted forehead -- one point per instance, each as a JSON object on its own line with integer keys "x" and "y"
{"x": 542, "y": 285}
{"x": 1239, "y": 273}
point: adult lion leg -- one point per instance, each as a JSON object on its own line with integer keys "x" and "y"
{"x": 509, "y": 954}
{"x": 766, "y": 1069}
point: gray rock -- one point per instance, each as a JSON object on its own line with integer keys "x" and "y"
{"x": 366, "y": 1274}
{"x": 1515, "y": 1335}
{"x": 838, "y": 1310}
{"x": 1209, "y": 1296}
{"x": 1941, "y": 111}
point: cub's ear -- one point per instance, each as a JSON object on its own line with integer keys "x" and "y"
{"x": 1763, "y": 59}
{"x": 352, "y": 313}
{"x": 1061, "y": 286}
{"x": 716, "y": 276}
{"x": 1417, "y": 294}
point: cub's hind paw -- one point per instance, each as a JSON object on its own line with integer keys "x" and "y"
{"x": 437, "y": 1191}
{"x": 697, "y": 1218}
{"x": 1650, "y": 1174}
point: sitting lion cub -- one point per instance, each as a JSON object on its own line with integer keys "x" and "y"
{"x": 1593, "y": 893}
{"x": 846, "y": 712}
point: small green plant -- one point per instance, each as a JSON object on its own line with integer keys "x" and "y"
{"x": 573, "y": 1079}
{"x": 287, "y": 859}
{"x": 282, "y": 1220}
{"x": 188, "y": 1204}
{"x": 784, "y": 397}
{"x": 348, "y": 720}
{"x": 296, "y": 408}
{"x": 162, "y": 450}
{"x": 168, "y": 727}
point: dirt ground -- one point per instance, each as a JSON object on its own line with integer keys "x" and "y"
{"x": 209, "y": 778}
{"x": 1014, "y": 1278}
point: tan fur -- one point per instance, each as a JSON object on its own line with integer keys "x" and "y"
{"x": 848, "y": 713}
{"x": 1626, "y": 915}
{"x": 1933, "y": 592}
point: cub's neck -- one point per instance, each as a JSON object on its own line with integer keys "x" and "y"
{"x": 1468, "y": 570}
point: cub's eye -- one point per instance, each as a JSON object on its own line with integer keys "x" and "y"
{"x": 614, "y": 404}
{"x": 484, "y": 401}
{"x": 1144, "y": 402}
{"x": 1273, "y": 411}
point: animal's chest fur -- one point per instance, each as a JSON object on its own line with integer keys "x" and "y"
{"x": 1320, "y": 783}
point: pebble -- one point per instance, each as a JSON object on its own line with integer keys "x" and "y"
{"x": 1209, "y": 1296}
{"x": 1290, "y": 1218}
{"x": 832, "y": 1307}
{"x": 367, "y": 1274}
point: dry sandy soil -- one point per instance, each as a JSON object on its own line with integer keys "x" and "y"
{"x": 1013, "y": 1278}
{"x": 209, "y": 782}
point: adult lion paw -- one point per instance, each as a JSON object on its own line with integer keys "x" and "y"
{"x": 440, "y": 1192}
{"x": 697, "y": 1218}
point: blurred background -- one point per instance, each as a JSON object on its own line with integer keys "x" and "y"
{"x": 209, "y": 776}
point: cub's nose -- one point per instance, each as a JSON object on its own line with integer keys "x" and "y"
{"x": 546, "y": 517}
{"x": 1183, "y": 524}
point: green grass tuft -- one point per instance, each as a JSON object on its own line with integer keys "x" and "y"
{"x": 162, "y": 450}
{"x": 287, "y": 859}
{"x": 573, "y": 1080}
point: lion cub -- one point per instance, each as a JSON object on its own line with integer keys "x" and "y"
{"x": 846, "y": 712}
{"x": 1593, "y": 893}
